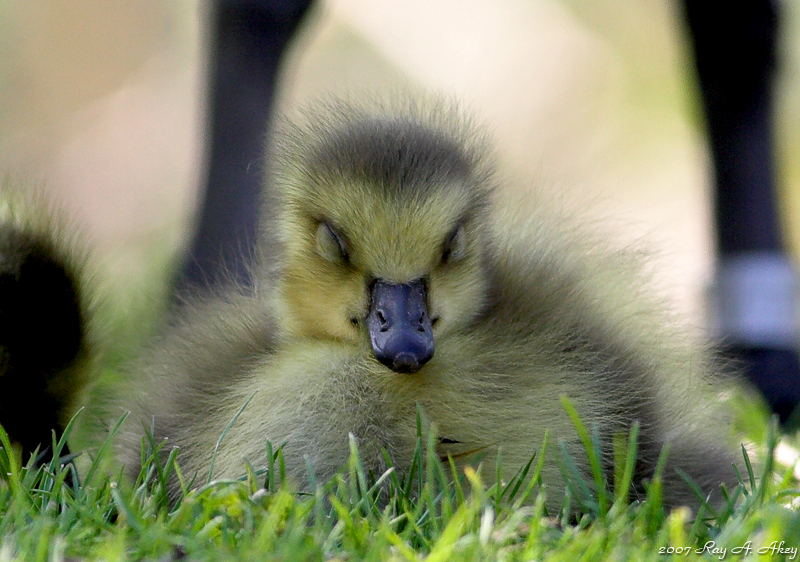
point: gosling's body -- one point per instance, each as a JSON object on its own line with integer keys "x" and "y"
{"x": 45, "y": 318}
{"x": 520, "y": 310}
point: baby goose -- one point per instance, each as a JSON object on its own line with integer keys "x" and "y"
{"x": 44, "y": 321}
{"x": 402, "y": 283}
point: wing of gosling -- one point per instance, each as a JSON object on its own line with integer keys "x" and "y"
{"x": 181, "y": 382}
{"x": 570, "y": 316}
{"x": 45, "y": 315}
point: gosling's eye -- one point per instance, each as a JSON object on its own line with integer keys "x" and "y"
{"x": 456, "y": 245}
{"x": 330, "y": 244}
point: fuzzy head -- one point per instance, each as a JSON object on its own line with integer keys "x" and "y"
{"x": 382, "y": 218}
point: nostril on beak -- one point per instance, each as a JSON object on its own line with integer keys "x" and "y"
{"x": 421, "y": 322}
{"x": 382, "y": 319}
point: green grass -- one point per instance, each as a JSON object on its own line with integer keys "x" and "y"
{"x": 431, "y": 513}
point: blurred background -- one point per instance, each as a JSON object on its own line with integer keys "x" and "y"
{"x": 593, "y": 103}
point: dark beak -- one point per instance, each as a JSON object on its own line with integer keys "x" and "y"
{"x": 399, "y": 326}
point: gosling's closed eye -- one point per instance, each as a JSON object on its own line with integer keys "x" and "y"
{"x": 456, "y": 245}
{"x": 330, "y": 244}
